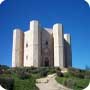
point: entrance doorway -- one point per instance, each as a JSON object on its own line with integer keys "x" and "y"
{"x": 46, "y": 62}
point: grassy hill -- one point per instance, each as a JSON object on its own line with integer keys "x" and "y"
{"x": 76, "y": 79}
{"x": 24, "y": 78}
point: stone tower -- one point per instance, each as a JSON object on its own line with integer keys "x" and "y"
{"x": 36, "y": 34}
{"x": 59, "y": 60}
{"x": 38, "y": 47}
{"x": 67, "y": 50}
{"x": 18, "y": 48}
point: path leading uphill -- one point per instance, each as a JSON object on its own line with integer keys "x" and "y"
{"x": 49, "y": 83}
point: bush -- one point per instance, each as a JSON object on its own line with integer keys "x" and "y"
{"x": 70, "y": 83}
{"x": 73, "y": 82}
{"x": 27, "y": 84}
{"x": 61, "y": 80}
{"x": 4, "y": 67}
{"x": 43, "y": 73}
{"x": 67, "y": 74}
{"x": 35, "y": 71}
{"x": 58, "y": 69}
{"x": 80, "y": 75}
{"x": 32, "y": 68}
{"x": 87, "y": 75}
{"x": 24, "y": 75}
{"x": 51, "y": 70}
{"x": 77, "y": 72}
{"x": 1, "y": 72}
{"x": 7, "y": 71}
{"x": 59, "y": 73}
{"x": 7, "y": 83}
{"x": 82, "y": 83}
{"x": 76, "y": 79}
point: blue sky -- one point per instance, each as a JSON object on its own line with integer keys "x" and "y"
{"x": 73, "y": 14}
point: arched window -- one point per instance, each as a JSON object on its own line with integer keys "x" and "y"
{"x": 46, "y": 61}
{"x": 46, "y": 43}
{"x": 26, "y": 45}
{"x": 26, "y": 57}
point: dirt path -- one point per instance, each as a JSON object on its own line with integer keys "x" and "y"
{"x": 49, "y": 83}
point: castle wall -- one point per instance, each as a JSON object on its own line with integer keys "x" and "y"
{"x": 41, "y": 47}
{"x": 17, "y": 50}
{"x": 28, "y": 49}
{"x": 58, "y": 45}
{"x": 47, "y": 47}
{"x": 68, "y": 53}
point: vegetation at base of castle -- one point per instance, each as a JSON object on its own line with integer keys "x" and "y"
{"x": 76, "y": 79}
{"x": 7, "y": 82}
{"x": 23, "y": 78}
{"x": 13, "y": 82}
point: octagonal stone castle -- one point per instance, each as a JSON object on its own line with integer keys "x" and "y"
{"x": 41, "y": 47}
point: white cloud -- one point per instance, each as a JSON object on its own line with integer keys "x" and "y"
{"x": 1, "y": 1}
{"x": 88, "y": 1}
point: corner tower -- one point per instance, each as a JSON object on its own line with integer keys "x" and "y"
{"x": 68, "y": 51}
{"x": 36, "y": 35}
{"x": 18, "y": 47}
{"x": 58, "y": 45}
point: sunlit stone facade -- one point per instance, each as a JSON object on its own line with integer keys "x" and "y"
{"x": 39, "y": 47}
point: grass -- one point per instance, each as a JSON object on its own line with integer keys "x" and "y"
{"x": 19, "y": 84}
{"x": 27, "y": 83}
{"x": 73, "y": 82}
{"x": 25, "y": 77}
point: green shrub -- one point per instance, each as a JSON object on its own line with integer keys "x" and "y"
{"x": 58, "y": 69}
{"x": 59, "y": 73}
{"x": 77, "y": 72}
{"x": 27, "y": 84}
{"x": 51, "y": 70}
{"x": 24, "y": 75}
{"x": 35, "y": 71}
{"x": 73, "y": 82}
{"x": 7, "y": 83}
{"x": 8, "y": 71}
{"x": 79, "y": 75}
{"x": 1, "y": 72}
{"x": 4, "y": 67}
{"x": 82, "y": 83}
{"x": 43, "y": 73}
{"x": 70, "y": 83}
{"x": 67, "y": 74}
{"x": 60, "y": 80}
{"x": 32, "y": 68}
{"x": 87, "y": 75}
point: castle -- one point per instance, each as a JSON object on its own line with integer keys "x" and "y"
{"x": 40, "y": 47}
